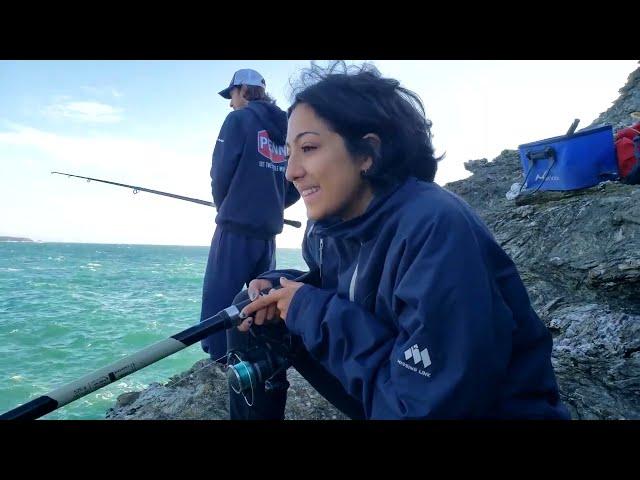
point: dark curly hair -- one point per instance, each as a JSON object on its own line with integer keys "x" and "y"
{"x": 355, "y": 101}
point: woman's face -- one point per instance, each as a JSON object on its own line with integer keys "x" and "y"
{"x": 326, "y": 175}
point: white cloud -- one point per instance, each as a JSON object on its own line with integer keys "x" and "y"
{"x": 92, "y": 112}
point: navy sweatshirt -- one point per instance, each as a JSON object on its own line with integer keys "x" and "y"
{"x": 420, "y": 314}
{"x": 249, "y": 188}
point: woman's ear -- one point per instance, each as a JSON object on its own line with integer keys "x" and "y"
{"x": 376, "y": 145}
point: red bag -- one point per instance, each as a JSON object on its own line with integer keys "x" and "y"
{"x": 625, "y": 149}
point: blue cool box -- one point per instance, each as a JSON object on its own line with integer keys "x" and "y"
{"x": 570, "y": 162}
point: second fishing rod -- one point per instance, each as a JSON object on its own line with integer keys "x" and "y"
{"x": 136, "y": 189}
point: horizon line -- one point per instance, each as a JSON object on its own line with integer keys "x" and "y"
{"x": 128, "y": 244}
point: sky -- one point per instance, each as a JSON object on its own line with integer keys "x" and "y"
{"x": 154, "y": 124}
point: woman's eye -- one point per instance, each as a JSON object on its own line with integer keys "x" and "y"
{"x": 305, "y": 149}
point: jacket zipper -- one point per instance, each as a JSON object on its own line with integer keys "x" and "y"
{"x": 352, "y": 284}
{"x": 321, "y": 247}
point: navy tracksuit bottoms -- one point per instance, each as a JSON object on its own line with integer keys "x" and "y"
{"x": 234, "y": 260}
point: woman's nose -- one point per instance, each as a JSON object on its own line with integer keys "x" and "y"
{"x": 294, "y": 170}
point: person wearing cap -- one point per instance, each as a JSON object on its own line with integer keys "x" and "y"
{"x": 250, "y": 193}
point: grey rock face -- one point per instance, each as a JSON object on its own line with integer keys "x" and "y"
{"x": 628, "y": 101}
{"x": 578, "y": 253}
{"x": 585, "y": 243}
{"x": 201, "y": 393}
{"x": 596, "y": 357}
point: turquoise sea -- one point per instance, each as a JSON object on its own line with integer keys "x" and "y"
{"x": 67, "y": 309}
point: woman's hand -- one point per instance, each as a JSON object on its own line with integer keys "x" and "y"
{"x": 271, "y": 307}
{"x": 255, "y": 287}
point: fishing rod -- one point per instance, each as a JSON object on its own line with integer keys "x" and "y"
{"x": 293, "y": 223}
{"x": 242, "y": 374}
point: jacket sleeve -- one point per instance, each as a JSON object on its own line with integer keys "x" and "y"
{"x": 446, "y": 351}
{"x": 226, "y": 156}
{"x": 274, "y": 275}
{"x": 291, "y": 196}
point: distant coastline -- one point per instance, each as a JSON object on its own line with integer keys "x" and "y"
{"x": 15, "y": 239}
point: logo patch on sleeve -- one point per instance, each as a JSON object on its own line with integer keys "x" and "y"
{"x": 416, "y": 360}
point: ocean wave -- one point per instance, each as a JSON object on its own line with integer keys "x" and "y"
{"x": 62, "y": 322}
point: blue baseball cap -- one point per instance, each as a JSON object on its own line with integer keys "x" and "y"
{"x": 246, "y": 76}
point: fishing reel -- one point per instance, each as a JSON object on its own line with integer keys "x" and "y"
{"x": 257, "y": 368}
{"x": 271, "y": 353}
